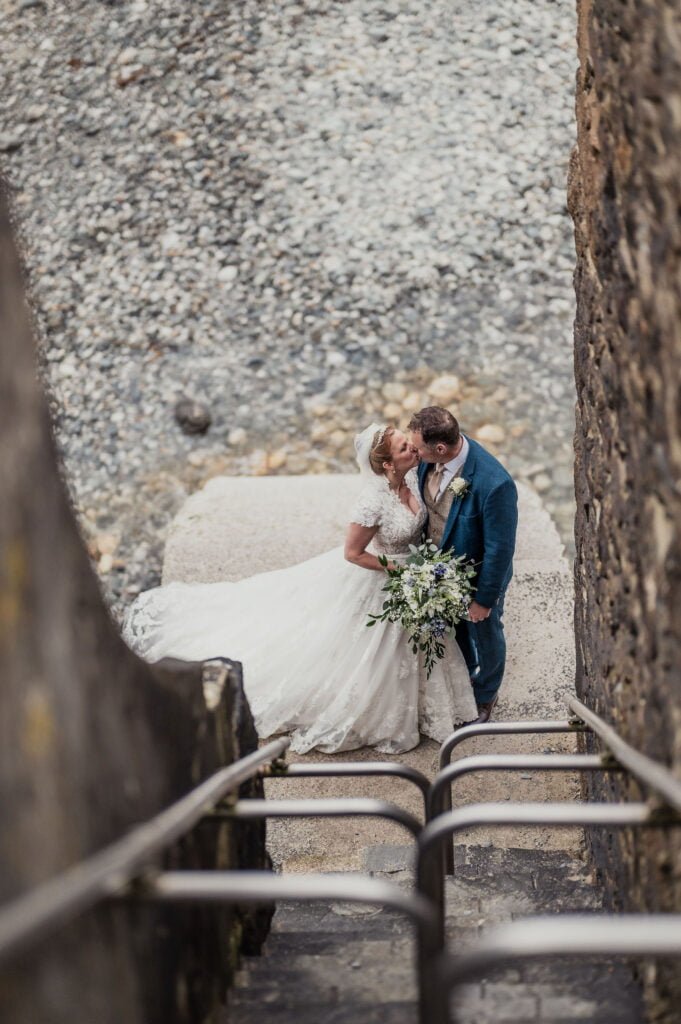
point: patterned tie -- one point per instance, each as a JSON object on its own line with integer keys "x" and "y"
{"x": 435, "y": 479}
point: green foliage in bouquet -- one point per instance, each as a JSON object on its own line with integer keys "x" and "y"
{"x": 428, "y": 595}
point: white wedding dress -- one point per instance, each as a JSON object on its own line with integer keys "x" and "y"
{"x": 311, "y": 666}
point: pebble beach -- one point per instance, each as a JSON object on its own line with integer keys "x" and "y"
{"x": 249, "y": 228}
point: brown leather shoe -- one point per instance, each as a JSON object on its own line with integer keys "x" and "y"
{"x": 485, "y": 710}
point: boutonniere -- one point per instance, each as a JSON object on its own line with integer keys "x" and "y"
{"x": 459, "y": 487}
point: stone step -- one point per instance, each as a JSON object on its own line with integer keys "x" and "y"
{"x": 305, "y": 943}
{"x": 577, "y": 995}
{"x": 211, "y": 538}
{"x": 336, "y": 962}
{"x": 492, "y": 886}
{"x": 362, "y": 970}
{"x": 325, "y": 962}
{"x": 341, "y": 1012}
{"x": 333, "y": 963}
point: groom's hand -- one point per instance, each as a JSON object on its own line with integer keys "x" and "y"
{"x": 477, "y": 612}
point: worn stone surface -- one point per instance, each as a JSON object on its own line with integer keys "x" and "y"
{"x": 625, "y": 197}
{"x": 345, "y": 964}
{"x": 215, "y": 535}
{"x": 212, "y": 538}
{"x": 332, "y": 964}
{"x": 92, "y": 742}
{"x": 327, "y": 962}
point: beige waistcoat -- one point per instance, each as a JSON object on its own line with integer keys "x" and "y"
{"x": 438, "y": 512}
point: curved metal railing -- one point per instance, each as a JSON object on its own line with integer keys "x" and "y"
{"x": 492, "y": 815}
{"x": 35, "y": 915}
{"x": 569, "y": 935}
{"x": 124, "y": 870}
{"x": 349, "y": 769}
{"x": 338, "y": 807}
{"x": 540, "y": 939}
{"x": 437, "y": 795}
{"x": 470, "y": 732}
{"x": 651, "y": 773}
{"x": 527, "y": 728}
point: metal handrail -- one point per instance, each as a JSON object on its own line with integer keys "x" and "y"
{"x": 469, "y": 732}
{"x": 651, "y": 773}
{"x": 522, "y": 728}
{"x": 31, "y": 917}
{"x": 334, "y": 769}
{"x": 440, "y": 797}
{"x": 122, "y": 870}
{"x": 335, "y": 807}
{"x": 262, "y": 887}
{"x": 265, "y": 886}
{"x": 429, "y": 877}
{"x": 513, "y": 763}
{"x": 569, "y": 935}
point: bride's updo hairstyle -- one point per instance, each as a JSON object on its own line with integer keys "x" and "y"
{"x": 380, "y": 450}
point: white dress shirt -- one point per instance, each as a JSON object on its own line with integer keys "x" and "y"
{"x": 453, "y": 467}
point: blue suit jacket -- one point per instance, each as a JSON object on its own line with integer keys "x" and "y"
{"x": 482, "y": 524}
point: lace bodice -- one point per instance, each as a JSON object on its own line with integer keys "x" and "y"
{"x": 398, "y": 526}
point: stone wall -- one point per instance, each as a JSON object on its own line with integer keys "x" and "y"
{"x": 625, "y": 199}
{"x": 92, "y": 742}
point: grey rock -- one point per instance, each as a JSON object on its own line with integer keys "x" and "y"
{"x": 10, "y": 141}
{"x": 193, "y": 417}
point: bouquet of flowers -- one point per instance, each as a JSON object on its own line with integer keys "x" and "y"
{"x": 428, "y": 595}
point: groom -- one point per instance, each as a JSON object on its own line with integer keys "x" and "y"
{"x": 472, "y": 508}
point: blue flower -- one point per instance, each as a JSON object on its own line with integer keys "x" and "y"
{"x": 427, "y": 598}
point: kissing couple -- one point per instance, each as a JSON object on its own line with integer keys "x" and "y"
{"x": 311, "y": 666}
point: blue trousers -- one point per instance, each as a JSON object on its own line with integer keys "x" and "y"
{"x": 483, "y": 646}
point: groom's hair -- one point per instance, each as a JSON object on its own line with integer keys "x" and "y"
{"x": 436, "y": 425}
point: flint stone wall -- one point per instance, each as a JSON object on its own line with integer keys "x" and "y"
{"x": 625, "y": 199}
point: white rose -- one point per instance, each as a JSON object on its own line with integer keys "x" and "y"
{"x": 458, "y": 486}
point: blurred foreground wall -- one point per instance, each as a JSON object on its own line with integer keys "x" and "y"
{"x": 93, "y": 741}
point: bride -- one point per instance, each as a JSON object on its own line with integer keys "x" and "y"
{"x": 311, "y": 667}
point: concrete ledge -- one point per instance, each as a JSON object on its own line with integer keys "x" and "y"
{"x": 237, "y": 526}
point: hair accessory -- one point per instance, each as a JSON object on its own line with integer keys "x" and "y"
{"x": 378, "y": 438}
{"x": 365, "y": 443}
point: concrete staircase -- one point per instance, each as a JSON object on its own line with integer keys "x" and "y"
{"x": 346, "y": 965}
{"x": 336, "y": 963}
